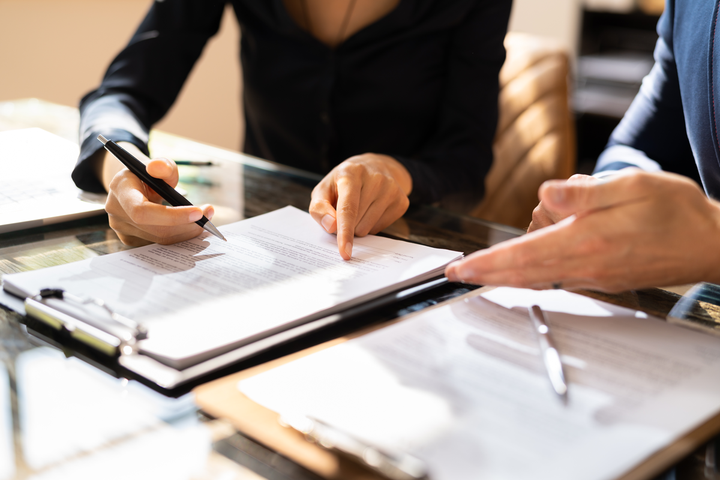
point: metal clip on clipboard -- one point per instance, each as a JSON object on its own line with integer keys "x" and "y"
{"x": 88, "y": 320}
{"x": 393, "y": 466}
{"x": 92, "y": 323}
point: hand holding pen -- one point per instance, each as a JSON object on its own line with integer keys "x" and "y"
{"x": 135, "y": 209}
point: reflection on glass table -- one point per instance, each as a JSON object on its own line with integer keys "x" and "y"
{"x": 89, "y": 408}
{"x": 699, "y": 308}
{"x": 74, "y": 421}
{"x": 7, "y": 453}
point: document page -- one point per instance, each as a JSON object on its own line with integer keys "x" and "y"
{"x": 463, "y": 387}
{"x": 276, "y": 270}
{"x": 35, "y": 185}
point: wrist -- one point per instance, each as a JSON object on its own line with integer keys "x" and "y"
{"x": 107, "y": 166}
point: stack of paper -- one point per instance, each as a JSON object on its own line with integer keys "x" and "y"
{"x": 463, "y": 388}
{"x": 203, "y": 297}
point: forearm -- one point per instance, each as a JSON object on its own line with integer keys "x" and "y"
{"x": 435, "y": 179}
{"x": 652, "y": 134}
{"x": 143, "y": 81}
{"x": 457, "y": 154}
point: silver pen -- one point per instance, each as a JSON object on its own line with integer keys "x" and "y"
{"x": 550, "y": 354}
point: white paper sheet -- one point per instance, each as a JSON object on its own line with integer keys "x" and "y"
{"x": 35, "y": 185}
{"x": 463, "y": 387}
{"x": 275, "y": 270}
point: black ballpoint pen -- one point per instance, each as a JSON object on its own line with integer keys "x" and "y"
{"x": 163, "y": 189}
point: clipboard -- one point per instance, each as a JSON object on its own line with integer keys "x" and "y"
{"x": 223, "y": 399}
{"x": 90, "y": 330}
{"x": 212, "y": 307}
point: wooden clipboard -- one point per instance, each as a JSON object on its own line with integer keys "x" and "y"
{"x": 223, "y": 399}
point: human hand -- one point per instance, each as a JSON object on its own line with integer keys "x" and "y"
{"x": 546, "y": 214}
{"x": 135, "y": 211}
{"x": 634, "y": 230}
{"x": 364, "y": 194}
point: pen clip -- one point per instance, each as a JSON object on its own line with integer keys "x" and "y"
{"x": 398, "y": 466}
{"x": 103, "y": 328}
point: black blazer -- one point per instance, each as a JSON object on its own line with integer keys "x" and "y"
{"x": 420, "y": 84}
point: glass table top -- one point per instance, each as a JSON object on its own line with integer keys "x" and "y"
{"x": 62, "y": 417}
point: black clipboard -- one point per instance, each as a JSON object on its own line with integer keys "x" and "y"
{"x": 87, "y": 329}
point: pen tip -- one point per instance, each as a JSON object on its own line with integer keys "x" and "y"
{"x": 102, "y": 139}
{"x": 212, "y": 229}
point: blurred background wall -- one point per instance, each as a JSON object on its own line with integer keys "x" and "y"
{"x": 57, "y": 50}
{"x": 558, "y": 19}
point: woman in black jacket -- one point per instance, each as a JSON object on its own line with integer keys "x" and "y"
{"x": 395, "y": 101}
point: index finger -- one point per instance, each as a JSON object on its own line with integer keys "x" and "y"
{"x": 536, "y": 249}
{"x": 589, "y": 193}
{"x": 347, "y": 213}
{"x": 164, "y": 169}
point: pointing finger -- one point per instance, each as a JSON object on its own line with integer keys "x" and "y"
{"x": 347, "y": 213}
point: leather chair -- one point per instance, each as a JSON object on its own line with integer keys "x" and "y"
{"x": 535, "y": 138}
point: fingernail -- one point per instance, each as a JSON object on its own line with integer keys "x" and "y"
{"x": 348, "y": 249}
{"x": 460, "y": 273}
{"x": 327, "y": 222}
{"x": 210, "y": 213}
{"x": 557, "y": 194}
{"x": 195, "y": 215}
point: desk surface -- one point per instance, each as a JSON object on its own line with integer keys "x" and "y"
{"x": 63, "y": 418}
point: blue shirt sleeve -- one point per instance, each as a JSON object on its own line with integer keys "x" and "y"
{"x": 652, "y": 134}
